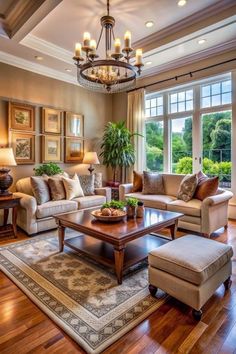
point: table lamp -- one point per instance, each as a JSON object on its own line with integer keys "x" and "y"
{"x": 6, "y": 159}
{"x": 91, "y": 159}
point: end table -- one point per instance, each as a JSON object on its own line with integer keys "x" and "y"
{"x": 6, "y": 203}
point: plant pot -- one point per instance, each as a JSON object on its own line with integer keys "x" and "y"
{"x": 131, "y": 211}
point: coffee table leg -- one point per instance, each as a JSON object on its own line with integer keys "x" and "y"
{"x": 61, "y": 236}
{"x": 173, "y": 229}
{"x": 119, "y": 262}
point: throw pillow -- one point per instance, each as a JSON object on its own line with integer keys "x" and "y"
{"x": 40, "y": 189}
{"x": 187, "y": 187}
{"x": 98, "y": 180}
{"x": 137, "y": 181}
{"x": 57, "y": 189}
{"x": 72, "y": 187}
{"x": 87, "y": 184}
{"x": 207, "y": 188}
{"x": 152, "y": 183}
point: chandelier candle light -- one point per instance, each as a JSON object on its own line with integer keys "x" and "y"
{"x": 115, "y": 73}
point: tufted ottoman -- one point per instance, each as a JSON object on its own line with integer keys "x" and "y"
{"x": 190, "y": 269}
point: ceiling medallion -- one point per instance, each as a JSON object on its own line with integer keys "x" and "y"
{"x": 114, "y": 73}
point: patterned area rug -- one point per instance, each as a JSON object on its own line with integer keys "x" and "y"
{"x": 82, "y": 297}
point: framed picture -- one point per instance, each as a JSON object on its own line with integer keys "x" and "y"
{"x": 52, "y": 121}
{"x": 21, "y": 116}
{"x": 24, "y": 148}
{"x": 51, "y": 148}
{"x": 74, "y": 150}
{"x": 74, "y": 126}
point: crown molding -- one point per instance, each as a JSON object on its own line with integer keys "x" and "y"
{"x": 48, "y": 48}
{"x": 197, "y": 21}
{"x": 190, "y": 59}
{"x": 36, "y": 68}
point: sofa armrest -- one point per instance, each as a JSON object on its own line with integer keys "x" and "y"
{"x": 27, "y": 202}
{"x": 222, "y": 197}
{"x": 124, "y": 189}
{"x": 105, "y": 191}
{"x": 26, "y": 216}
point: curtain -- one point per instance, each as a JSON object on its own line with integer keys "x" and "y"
{"x": 136, "y": 124}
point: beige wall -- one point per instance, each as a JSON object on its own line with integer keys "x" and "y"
{"x": 25, "y": 86}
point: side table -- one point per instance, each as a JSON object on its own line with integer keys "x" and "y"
{"x": 6, "y": 203}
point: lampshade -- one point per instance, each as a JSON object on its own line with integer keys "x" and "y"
{"x": 7, "y": 157}
{"x": 91, "y": 158}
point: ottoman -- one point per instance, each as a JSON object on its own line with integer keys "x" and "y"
{"x": 190, "y": 269}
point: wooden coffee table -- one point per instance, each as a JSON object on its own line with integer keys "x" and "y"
{"x": 120, "y": 244}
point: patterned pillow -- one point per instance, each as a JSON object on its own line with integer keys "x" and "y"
{"x": 98, "y": 180}
{"x": 40, "y": 189}
{"x": 72, "y": 187}
{"x": 87, "y": 184}
{"x": 152, "y": 183}
{"x": 137, "y": 181}
{"x": 57, "y": 188}
{"x": 187, "y": 187}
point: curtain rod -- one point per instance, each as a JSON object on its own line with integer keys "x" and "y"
{"x": 190, "y": 73}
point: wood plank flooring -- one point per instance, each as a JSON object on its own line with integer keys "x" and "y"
{"x": 24, "y": 328}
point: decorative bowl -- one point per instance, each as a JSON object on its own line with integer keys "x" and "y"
{"x": 98, "y": 215}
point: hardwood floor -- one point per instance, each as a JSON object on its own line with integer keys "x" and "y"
{"x": 24, "y": 328}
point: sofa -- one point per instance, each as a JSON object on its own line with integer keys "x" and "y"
{"x": 203, "y": 217}
{"x": 34, "y": 218}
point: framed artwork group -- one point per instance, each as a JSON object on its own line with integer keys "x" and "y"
{"x": 57, "y": 127}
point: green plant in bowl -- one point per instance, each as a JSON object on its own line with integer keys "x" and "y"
{"x": 114, "y": 204}
{"x": 132, "y": 202}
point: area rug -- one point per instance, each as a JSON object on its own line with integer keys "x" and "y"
{"x": 80, "y": 296}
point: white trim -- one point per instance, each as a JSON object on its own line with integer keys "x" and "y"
{"x": 36, "y": 68}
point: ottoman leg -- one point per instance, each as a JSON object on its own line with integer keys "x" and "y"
{"x": 228, "y": 283}
{"x": 152, "y": 289}
{"x": 197, "y": 315}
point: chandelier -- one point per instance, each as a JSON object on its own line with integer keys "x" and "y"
{"x": 115, "y": 73}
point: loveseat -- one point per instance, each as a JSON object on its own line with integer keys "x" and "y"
{"x": 34, "y": 218}
{"x": 204, "y": 216}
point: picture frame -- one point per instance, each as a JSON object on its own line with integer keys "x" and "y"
{"x": 51, "y": 121}
{"x": 23, "y": 147}
{"x": 74, "y": 150}
{"x": 51, "y": 148}
{"x": 74, "y": 125}
{"x": 21, "y": 117}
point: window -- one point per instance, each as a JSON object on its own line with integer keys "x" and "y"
{"x": 154, "y": 145}
{"x": 216, "y": 94}
{"x": 154, "y": 107}
{"x": 181, "y": 101}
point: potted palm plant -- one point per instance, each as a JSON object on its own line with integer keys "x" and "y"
{"x": 117, "y": 148}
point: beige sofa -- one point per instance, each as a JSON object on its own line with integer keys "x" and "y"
{"x": 34, "y": 218}
{"x": 199, "y": 216}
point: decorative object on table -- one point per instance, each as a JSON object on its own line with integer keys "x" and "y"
{"x": 21, "y": 117}
{"x": 117, "y": 148}
{"x": 6, "y": 159}
{"x": 131, "y": 205}
{"x": 74, "y": 150}
{"x": 24, "y": 147}
{"x": 49, "y": 169}
{"x": 51, "y": 148}
{"x": 51, "y": 121}
{"x": 140, "y": 209}
{"x": 74, "y": 126}
{"x": 9, "y": 202}
{"x": 112, "y": 211}
{"x": 91, "y": 158}
{"x": 110, "y": 74}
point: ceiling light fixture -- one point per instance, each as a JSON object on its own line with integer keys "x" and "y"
{"x": 149, "y": 24}
{"x": 37, "y": 57}
{"x": 148, "y": 63}
{"x": 201, "y": 41}
{"x": 182, "y": 3}
{"x": 114, "y": 73}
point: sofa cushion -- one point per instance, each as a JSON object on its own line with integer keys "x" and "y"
{"x": 72, "y": 187}
{"x": 192, "y": 258}
{"x": 40, "y": 189}
{"x": 193, "y": 207}
{"x": 55, "y": 207}
{"x": 172, "y": 183}
{"x": 153, "y": 200}
{"x": 206, "y": 188}
{"x": 98, "y": 180}
{"x": 57, "y": 189}
{"x": 90, "y": 201}
{"x": 137, "y": 181}
{"x": 87, "y": 184}
{"x": 152, "y": 183}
